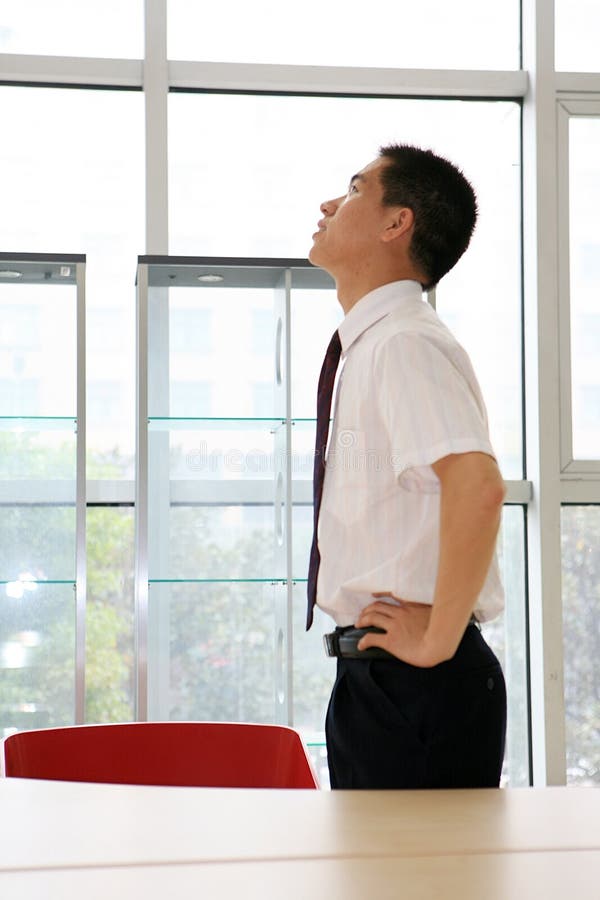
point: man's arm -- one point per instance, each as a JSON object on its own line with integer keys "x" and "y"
{"x": 472, "y": 493}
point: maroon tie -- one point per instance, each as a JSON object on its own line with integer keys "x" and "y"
{"x": 324, "y": 395}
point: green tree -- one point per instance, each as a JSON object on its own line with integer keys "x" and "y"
{"x": 109, "y": 678}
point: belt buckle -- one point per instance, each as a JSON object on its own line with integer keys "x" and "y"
{"x": 331, "y": 644}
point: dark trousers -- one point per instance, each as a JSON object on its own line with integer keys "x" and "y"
{"x": 392, "y": 725}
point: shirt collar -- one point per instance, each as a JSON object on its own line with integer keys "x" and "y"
{"x": 374, "y": 306}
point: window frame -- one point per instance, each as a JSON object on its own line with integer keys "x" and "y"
{"x": 569, "y": 107}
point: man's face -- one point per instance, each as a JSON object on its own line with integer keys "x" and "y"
{"x": 351, "y": 225}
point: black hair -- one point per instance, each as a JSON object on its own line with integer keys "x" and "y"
{"x": 443, "y": 204}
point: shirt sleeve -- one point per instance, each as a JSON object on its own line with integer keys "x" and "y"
{"x": 430, "y": 404}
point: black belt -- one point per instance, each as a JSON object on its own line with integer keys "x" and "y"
{"x": 344, "y": 642}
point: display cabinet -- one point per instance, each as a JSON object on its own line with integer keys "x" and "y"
{"x": 225, "y": 441}
{"x": 42, "y": 490}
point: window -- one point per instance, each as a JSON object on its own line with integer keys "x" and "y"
{"x": 262, "y": 332}
{"x": 283, "y": 176}
{"x": 37, "y": 646}
{"x": 584, "y": 289}
{"x": 581, "y": 606}
{"x": 19, "y": 394}
{"x": 191, "y": 398}
{"x": 109, "y": 28}
{"x": 577, "y": 30}
{"x": 104, "y": 401}
{"x": 71, "y": 178}
{"x": 469, "y": 34}
{"x": 20, "y": 327}
{"x": 191, "y": 330}
{"x": 262, "y": 399}
{"x": 35, "y": 374}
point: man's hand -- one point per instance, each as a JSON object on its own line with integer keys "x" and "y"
{"x": 405, "y": 625}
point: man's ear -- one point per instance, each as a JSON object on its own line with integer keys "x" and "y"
{"x": 401, "y": 222}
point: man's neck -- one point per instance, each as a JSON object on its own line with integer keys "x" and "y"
{"x": 354, "y": 289}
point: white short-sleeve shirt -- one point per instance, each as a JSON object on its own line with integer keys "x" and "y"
{"x": 406, "y": 397}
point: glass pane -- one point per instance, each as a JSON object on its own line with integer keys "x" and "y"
{"x": 577, "y": 35}
{"x": 38, "y": 542}
{"x": 211, "y": 652}
{"x": 109, "y": 674}
{"x": 189, "y": 473}
{"x": 192, "y": 345}
{"x": 72, "y": 28}
{"x": 314, "y": 673}
{"x": 38, "y": 350}
{"x": 507, "y": 636}
{"x": 224, "y": 542}
{"x": 315, "y": 316}
{"x": 346, "y": 33}
{"x": 37, "y": 494}
{"x": 228, "y": 453}
{"x": 584, "y": 250}
{"x": 31, "y": 459}
{"x": 302, "y": 536}
{"x": 581, "y": 636}
{"x": 284, "y": 174}
{"x": 80, "y": 189}
{"x": 37, "y": 649}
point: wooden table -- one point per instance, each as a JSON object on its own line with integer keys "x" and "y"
{"x": 66, "y": 840}
{"x": 513, "y": 876}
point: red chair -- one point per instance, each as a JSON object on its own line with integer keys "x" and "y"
{"x": 203, "y": 754}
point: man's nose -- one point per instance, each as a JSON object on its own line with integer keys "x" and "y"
{"x": 328, "y": 207}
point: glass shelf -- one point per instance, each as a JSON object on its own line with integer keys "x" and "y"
{"x": 186, "y": 423}
{"x": 306, "y": 425}
{"x": 193, "y": 423}
{"x": 36, "y": 581}
{"x": 38, "y": 423}
{"x": 216, "y": 581}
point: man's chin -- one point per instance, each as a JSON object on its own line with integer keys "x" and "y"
{"x": 315, "y": 257}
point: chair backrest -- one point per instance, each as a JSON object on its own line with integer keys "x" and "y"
{"x": 203, "y": 754}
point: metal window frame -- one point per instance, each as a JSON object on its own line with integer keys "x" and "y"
{"x": 154, "y": 71}
{"x": 542, "y": 395}
{"x": 569, "y": 106}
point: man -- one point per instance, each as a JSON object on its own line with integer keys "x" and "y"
{"x": 412, "y": 494}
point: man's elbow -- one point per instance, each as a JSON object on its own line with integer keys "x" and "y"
{"x": 491, "y": 493}
{"x": 474, "y": 479}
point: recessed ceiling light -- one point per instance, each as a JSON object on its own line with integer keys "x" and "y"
{"x": 210, "y": 278}
{"x": 65, "y": 271}
{"x": 10, "y": 273}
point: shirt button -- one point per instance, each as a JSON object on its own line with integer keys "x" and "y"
{"x": 490, "y": 684}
